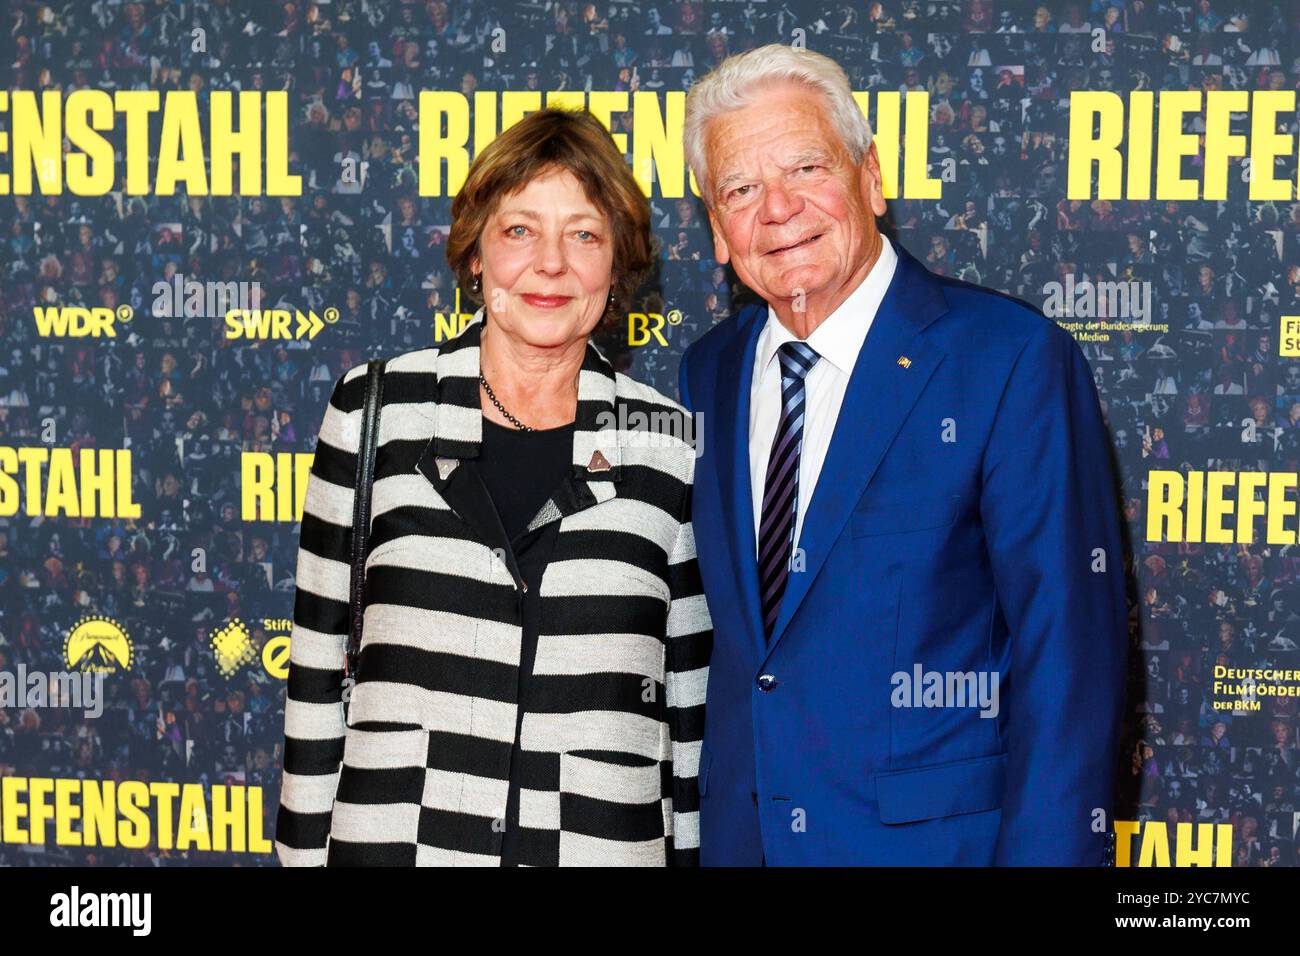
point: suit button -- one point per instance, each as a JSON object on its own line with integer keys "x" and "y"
{"x": 766, "y": 682}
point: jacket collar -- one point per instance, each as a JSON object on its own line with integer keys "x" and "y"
{"x": 458, "y": 422}
{"x": 448, "y": 461}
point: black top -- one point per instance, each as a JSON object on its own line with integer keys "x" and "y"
{"x": 521, "y": 471}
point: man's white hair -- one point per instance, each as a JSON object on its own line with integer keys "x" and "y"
{"x": 742, "y": 78}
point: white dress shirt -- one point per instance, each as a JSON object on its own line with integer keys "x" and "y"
{"x": 837, "y": 340}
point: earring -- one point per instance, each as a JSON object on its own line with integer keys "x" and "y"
{"x": 477, "y": 284}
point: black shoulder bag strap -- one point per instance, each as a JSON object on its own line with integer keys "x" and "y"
{"x": 361, "y": 512}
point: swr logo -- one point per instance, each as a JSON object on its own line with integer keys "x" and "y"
{"x": 74, "y": 322}
{"x": 276, "y": 323}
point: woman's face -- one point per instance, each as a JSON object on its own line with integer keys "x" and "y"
{"x": 546, "y": 259}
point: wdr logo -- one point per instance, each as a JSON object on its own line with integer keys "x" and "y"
{"x": 75, "y": 322}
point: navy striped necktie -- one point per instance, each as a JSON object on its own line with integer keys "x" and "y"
{"x": 781, "y": 486}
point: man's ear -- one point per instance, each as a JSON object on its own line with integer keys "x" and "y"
{"x": 721, "y": 253}
{"x": 871, "y": 182}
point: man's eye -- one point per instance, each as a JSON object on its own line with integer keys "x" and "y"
{"x": 739, "y": 191}
{"x": 810, "y": 166}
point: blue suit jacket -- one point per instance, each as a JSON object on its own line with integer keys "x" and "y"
{"x": 965, "y": 520}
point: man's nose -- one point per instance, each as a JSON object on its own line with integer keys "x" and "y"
{"x": 779, "y": 204}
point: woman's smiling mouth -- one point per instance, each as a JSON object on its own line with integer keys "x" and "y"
{"x": 545, "y": 301}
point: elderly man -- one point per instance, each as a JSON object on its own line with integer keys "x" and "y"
{"x": 906, "y": 520}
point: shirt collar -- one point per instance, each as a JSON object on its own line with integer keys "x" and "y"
{"x": 840, "y": 336}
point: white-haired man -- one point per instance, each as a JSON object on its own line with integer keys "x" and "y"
{"x": 906, "y": 520}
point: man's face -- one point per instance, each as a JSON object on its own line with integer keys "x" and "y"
{"x": 790, "y": 210}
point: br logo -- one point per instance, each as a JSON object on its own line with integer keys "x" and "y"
{"x": 99, "y": 645}
{"x": 642, "y": 326}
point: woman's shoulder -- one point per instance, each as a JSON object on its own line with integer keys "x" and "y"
{"x": 632, "y": 391}
{"x": 659, "y": 426}
{"x": 412, "y": 365}
{"x": 413, "y": 361}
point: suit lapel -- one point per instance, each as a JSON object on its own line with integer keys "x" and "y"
{"x": 736, "y": 374}
{"x": 880, "y": 394}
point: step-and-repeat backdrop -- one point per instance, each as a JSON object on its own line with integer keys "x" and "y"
{"x": 209, "y": 210}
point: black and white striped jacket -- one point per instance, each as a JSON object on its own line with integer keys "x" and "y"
{"x": 418, "y": 776}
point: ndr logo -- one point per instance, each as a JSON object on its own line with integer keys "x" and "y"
{"x": 448, "y": 325}
{"x": 75, "y": 322}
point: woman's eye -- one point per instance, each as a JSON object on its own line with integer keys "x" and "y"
{"x": 586, "y": 235}
{"x": 522, "y": 231}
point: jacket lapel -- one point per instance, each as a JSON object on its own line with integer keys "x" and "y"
{"x": 597, "y": 462}
{"x": 736, "y": 373}
{"x": 881, "y": 393}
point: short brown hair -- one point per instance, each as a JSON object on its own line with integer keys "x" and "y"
{"x": 539, "y": 143}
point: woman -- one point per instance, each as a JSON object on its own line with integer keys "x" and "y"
{"x": 530, "y": 687}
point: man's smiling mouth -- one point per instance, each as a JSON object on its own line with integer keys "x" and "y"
{"x": 797, "y": 245}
